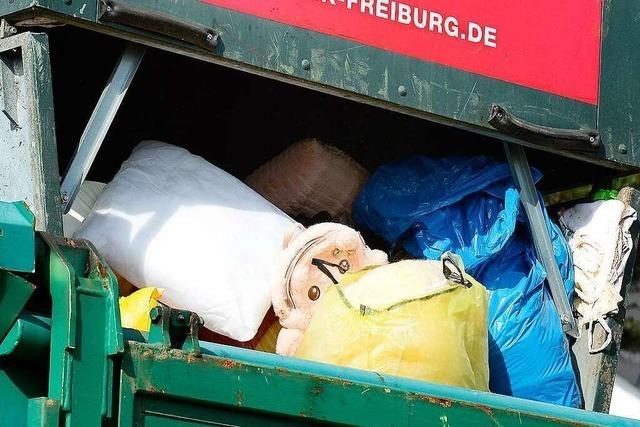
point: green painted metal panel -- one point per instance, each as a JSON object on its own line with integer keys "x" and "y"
{"x": 43, "y": 412}
{"x": 28, "y": 339}
{"x": 80, "y": 9}
{"x": 443, "y": 93}
{"x": 85, "y": 330}
{"x": 619, "y": 110}
{"x": 14, "y": 294}
{"x": 16, "y": 388}
{"x": 162, "y": 413}
{"x": 17, "y": 237}
{"x": 351, "y": 70}
{"x": 233, "y": 386}
{"x": 12, "y": 6}
{"x": 73, "y": 351}
{"x": 29, "y": 162}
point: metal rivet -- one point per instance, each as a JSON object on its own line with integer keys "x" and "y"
{"x": 181, "y": 318}
{"x": 209, "y": 36}
{"x": 155, "y": 315}
{"x": 306, "y": 65}
{"x": 622, "y": 149}
{"x": 402, "y": 91}
{"x": 65, "y": 197}
{"x": 564, "y": 319}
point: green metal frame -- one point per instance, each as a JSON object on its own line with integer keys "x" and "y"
{"x": 85, "y": 330}
{"x": 373, "y": 76}
{"x": 619, "y": 106}
{"x": 17, "y": 238}
{"x": 14, "y": 294}
{"x": 232, "y": 386}
{"x": 81, "y": 339}
{"x": 17, "y": 255}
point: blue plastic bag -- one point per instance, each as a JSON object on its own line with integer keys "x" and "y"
{"x": 470, "y": 206}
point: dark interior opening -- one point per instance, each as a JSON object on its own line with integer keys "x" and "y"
{"x": 238, "y": 121}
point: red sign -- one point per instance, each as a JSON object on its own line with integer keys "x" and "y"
{"x": 550, "y": 45}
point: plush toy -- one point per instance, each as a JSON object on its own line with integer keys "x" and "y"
{"x": 312, "y": 259}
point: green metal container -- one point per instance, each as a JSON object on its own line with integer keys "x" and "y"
{"x": 71, "y": 368}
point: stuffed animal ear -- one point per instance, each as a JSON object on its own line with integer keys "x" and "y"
{"x": 291, "y": 234}
{"x": 373, "y": 257}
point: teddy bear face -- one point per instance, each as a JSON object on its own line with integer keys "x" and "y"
{"x": 338, "y": 255}
{"x": 312, "y": 260}
{"x": 316, "y": 258}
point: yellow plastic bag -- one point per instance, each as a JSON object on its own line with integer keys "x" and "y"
{"x": 135, "y": 308}
{"x": 404, "y": 319}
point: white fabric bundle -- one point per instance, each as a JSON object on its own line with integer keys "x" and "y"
{"x": 600, "y": 242}
{"x": 170, "y": 219}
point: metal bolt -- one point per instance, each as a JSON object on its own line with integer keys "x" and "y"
{"x": 109, "y": 8}
{"x": 12, "y": 30}
{"x": 306, "y": 65}
{"x": 181, "y": 318}
{"x": 622, "y": 149}
{"x": 65, "y": 197}
{"x": 212, "y": 39}
{"x": 564, "y": 319}
{"x": 402, "y": 91}
{"x": 155, "y": 315}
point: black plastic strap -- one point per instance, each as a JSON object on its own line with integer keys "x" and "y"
{"x": 322, "y": 266}
{"x": 566, "y": 139}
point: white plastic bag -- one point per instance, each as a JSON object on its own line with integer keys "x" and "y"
{"x": 170, "y": 219}
{"x": 600, "y": 241}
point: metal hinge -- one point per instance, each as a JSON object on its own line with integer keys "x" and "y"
{"x": 7, "y": 30}
{"x": 175, "y": 329}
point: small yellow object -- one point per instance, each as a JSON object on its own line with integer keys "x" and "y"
{"x": 135, "y": 308}
{"x": 404, "y": 319}
{"x": 267, "y": 343}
